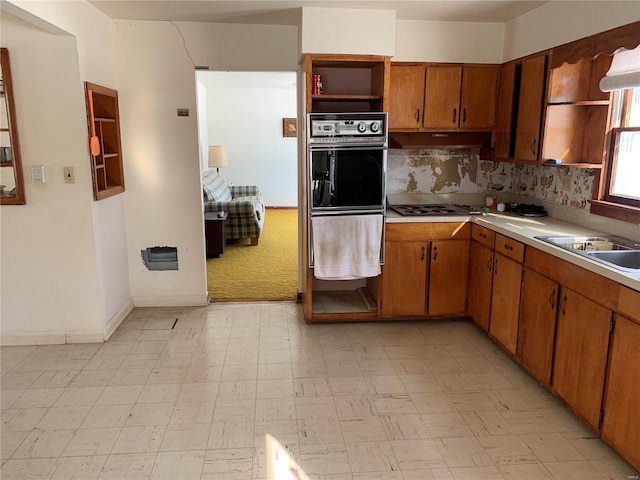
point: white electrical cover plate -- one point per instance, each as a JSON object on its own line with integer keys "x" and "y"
{"x": 37, "y": 173}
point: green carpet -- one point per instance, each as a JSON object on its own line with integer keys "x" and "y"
{"x": 266, "y": 272}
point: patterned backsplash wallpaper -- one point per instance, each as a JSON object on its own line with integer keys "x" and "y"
{"x": 461, "y": 171}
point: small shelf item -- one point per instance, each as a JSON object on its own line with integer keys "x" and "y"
{"x": 104, "y": 141}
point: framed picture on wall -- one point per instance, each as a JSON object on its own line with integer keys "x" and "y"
{"x": 289, "y": 127}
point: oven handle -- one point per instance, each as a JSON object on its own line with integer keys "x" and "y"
{"x": 344, "y": 146}
{"x": 326, "y": 212}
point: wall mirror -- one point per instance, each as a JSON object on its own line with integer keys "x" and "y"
{"x": 11, "y": 179}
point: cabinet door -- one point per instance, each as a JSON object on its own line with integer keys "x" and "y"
{"x": 448, "y": 278}
{"x": 442, "y": 97}
{"x": 537, "y": 324}
{"x": 406, "y": 96}
{"x": 622, "y": 402}
{"x": 478, "y": 98}
{"x": 404, "y": 284}
{"x": 582, "y": 343}
{"x": 480, "y": 280}
{"x": 505, "y": 301}
{"x": 532, "y": 87}
{"x": 504, "y": 120}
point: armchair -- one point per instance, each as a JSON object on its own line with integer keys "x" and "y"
{"x": 244, "y": 204}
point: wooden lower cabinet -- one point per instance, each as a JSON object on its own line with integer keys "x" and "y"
{"x": 404, "y": 286}
{"x": 480, "y": 281}
{"x": 505, "y": 301}
{"x": 622, "y": 401}
{"x": 537, "y": 324}
{"x": 448, "y": 268}
{"x": 582, "y": 345}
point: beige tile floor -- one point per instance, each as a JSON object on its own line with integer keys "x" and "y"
{"x": 392, "y": 401}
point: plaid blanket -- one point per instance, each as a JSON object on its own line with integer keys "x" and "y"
{"x": 244, "y": 204}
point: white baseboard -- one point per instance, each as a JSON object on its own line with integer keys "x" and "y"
{"x": 33, "y": 338}
{"x": 117, "y": 319}
{"x": 177, "y": 301}
{"x": 84, "y": 337}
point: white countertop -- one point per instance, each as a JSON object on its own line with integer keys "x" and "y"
{"x": 524, "y": 229}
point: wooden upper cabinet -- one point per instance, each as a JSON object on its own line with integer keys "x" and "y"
{"x": 478, "y": 97}
{"x": 350, "y": 83}
{"x": 505, "y": 127}
{"x": 577, "y": 113}
{"x": 406, "y": 100}
{"x": 531, "y": 99}
{"x": 442, "y": 97}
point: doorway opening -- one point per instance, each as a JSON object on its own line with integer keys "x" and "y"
{"x": 249, "y": 116}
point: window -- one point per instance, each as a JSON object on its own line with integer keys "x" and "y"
{"x": 620, "y": 191}
{"x": 624, "y": 169}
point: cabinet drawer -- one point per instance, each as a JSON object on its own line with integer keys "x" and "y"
{"x": 420, "y": 231}
{"x": 629, "y": 303}
{"x": 509, "y": 248}
{"x": 483, "y": 235}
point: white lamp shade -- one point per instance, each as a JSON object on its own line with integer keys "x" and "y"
{"x": 624, "y": 71}
{"x": 218, "y": 156}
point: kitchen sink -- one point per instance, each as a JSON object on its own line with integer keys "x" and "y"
{"x": 616, "y": 252}
{"x": 627, "y": 259}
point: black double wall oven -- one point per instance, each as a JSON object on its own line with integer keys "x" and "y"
{"x": 347, "y": 154}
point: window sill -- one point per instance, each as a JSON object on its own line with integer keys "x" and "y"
{"x": 624, "y": 213}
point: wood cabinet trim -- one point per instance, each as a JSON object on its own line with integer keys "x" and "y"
{"x": 604, "y": 43}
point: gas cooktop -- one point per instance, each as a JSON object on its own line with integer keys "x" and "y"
{"x": 424, "y": 210}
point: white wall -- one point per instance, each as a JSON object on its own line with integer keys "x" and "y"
{"x": 419, "y": 41}
{"x": 50, "y": 280}
{"x": 245, "y": 112}
{"x": 365, "y": 32}
{"x": 164, "y": 199}
{"x": 559, "y": 22}
{"x": 93, "y": 49}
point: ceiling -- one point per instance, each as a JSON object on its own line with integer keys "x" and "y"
{"x": 287, "y": 12}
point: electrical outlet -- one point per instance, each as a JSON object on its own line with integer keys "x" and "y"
{"x": 68, "y": 175}
{"x": 183, "y": 112}
{"x": 37, "y": 174}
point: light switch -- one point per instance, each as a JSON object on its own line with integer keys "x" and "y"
{"x": 68, "y": 175}
{"x": 37, "y": 174}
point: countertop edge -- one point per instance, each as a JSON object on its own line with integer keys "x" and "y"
{"x": 524, "y": 229}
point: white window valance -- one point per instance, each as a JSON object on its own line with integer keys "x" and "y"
{"x": 624, "y": 71}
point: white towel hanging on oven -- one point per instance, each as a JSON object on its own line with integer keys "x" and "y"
{"x": 346, "y": 247}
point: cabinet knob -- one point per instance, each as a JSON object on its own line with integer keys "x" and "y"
{"x": 422, "y": 256}
{"x": 464, "y": 115}
{"x": 435, "y": 252}
{"x": 455, "y": 113}
{"x": 533, "y": 146}
{"x": 418, "y": 115}
{"x": 552, "y": 299}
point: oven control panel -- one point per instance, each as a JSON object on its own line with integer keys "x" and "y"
{"x": 347, "y": 126}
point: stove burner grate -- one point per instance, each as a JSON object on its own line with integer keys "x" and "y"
{"x": 433, "y": 210}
